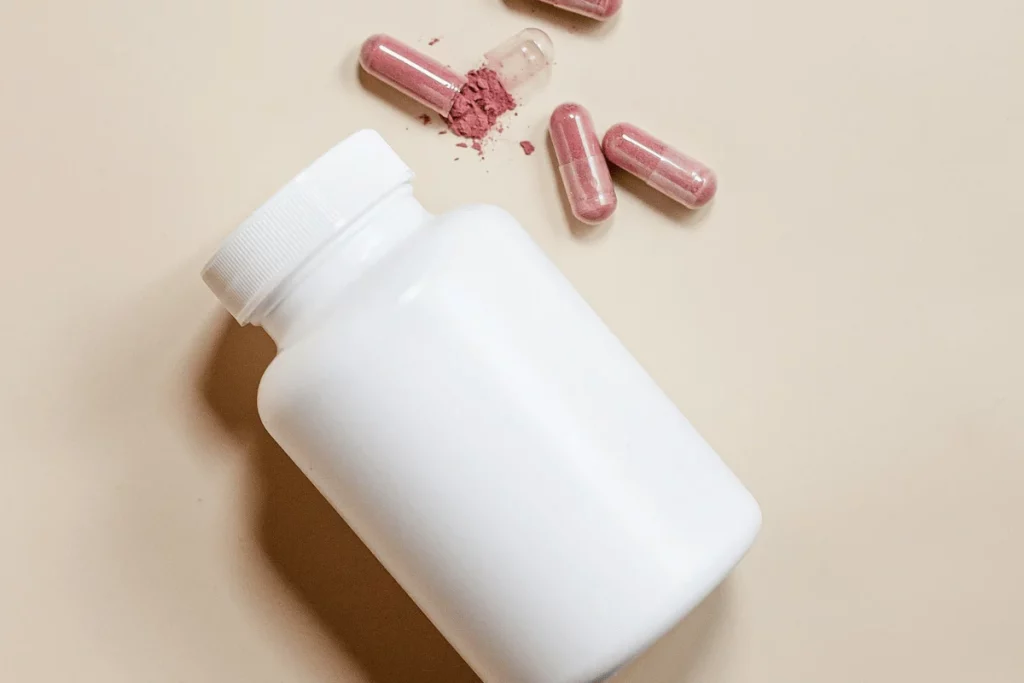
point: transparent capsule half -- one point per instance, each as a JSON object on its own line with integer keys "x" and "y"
{"x": 523, "y": 62}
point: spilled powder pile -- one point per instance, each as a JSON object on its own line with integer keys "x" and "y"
{"x": 478, "y": 104}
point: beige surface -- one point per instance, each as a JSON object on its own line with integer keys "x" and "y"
{"x": 845, "y": 326}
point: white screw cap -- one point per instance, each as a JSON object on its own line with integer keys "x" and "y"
{"x": 303, "y": 216}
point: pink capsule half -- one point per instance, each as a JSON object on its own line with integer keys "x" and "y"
{"x": 584, "y": 171}
{"x": 422, "y": 78}
{"x": 667, "y": 170}
{"x": 595, "y": 9}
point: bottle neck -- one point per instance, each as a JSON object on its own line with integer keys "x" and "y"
{"x": 303, "y": 297}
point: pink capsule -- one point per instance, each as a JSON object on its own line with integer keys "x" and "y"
{"x": 595, "y": 9}
{"x": 667, "y": 170}
{"x": 422, "y": 78}
{"x": 585, "y": 174}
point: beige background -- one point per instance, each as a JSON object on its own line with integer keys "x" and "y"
{"x": 845, "y": 325}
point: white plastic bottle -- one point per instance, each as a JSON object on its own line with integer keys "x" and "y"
{"x": 475, "y": 422}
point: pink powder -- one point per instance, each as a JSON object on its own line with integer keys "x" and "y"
{"x": 478, "y": 104}
{"x": 528, "y": 147}
{"x": 425, "y": 118}
{"x": 434, "y": 41}
{"x": 476, "y": 146}
{"x": 572, "y": 134}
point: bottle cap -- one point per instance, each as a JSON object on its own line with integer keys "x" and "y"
{"x": 303, "y": 216}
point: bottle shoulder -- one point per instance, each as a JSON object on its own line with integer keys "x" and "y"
{"x": 478, "y": 211}
{"x": 477, "y": 216}
{"x": 454, "y": 253}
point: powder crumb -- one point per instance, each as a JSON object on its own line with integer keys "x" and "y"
{"x": 442, "y": 132}
{"x": 528, "y": 147}
{"x": 478, "y": 148}
{"x": 425, "y": 119}
{"x": 456, "y": 158}
{"x": 461, "y": 144}
{"x": 479, "y": 104}
{"x": 434, "y": 41}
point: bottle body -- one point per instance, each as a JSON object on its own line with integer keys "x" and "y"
{"x": 498, "y": 449}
